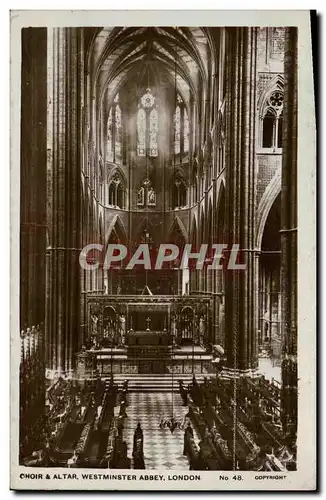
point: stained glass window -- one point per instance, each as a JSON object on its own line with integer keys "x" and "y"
{"x": 181, "y": 128}
{"x": 116, "y": 191}
{"x": 147, "y": 126}
{"x": 118, "y": 130}
{"x": 272, "y": 120}
{"x": 141, "y": 132}
{"x": 114, "y": 144}
{"x": 177, "y": 125}
{"x": 179, "y": 193}
{"x": 153, "y": 132}
{"x": 110, "y": 138}
{"x": 148, "y": 99}
{"x": 185, "y": 132}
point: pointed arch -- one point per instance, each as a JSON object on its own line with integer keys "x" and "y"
{"x": 277, "y": 83}
{"x": 179, "y": 190}
{"x": 143, "y": 224}
{"x": 193, "y": 233}
{"x": 144, "y": 232}
{"x": 120, "y": 172}
{"x": 117, "y": 189}
{"x": 178, "y": 225}
{"x": 116, "y": 227}
{"x": 270, "y": 107}
{"x": 101, "y": 229}
{"x": 265, "y": 205}
{"x": 220, "y": 215}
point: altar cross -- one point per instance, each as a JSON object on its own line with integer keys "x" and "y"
{"x": 148, "y": 322}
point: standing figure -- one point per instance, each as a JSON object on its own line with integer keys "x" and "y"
{"x": 138, "y": 434}
{"x": 266, "y": 325}
{"x": 201, "y": 330}
{"x": 189, "y": 433}
{"x": 123, "y": 329}
{"x": 94, "y": 319}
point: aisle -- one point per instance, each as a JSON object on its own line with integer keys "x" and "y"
{"x": 162, "y": 450}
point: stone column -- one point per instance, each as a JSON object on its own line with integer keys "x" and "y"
{"x": 64, "y": 138}
{"x": 240, "y": 332}
{"x": 33, "y": 178}
{"x": 289, "y": 234}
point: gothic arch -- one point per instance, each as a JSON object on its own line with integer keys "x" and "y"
{"x": 144, "y": 225}
{"x": 277, "y": 83}
{"x": 101, "y": 229}
{"x": 117, "y": 224}
{"x": 109, "y": 311}
{"x": 193, "y": 231}
{"x": 117, "y": 193}
{"x": 178, "y": 224}
{"x": 179, "y": 190}
{"x": 265, "y": 205}
{"x": 119, "y": 171}
{"x": 220, "y": 214}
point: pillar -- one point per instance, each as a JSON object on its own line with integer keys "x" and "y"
{"x": 240, "y": 332}
{"x": 32, "y": 229}
{"x": 289, "y": 235}
{"x": 33, "y": 178}
{"x": 64, "y": 134}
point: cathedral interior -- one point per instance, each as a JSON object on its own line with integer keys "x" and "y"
{"x": 152, "y": 135}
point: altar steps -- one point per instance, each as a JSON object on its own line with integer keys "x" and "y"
{"x": 157, "y": 382}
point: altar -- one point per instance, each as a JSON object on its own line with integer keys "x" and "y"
{"x": 135, "y": 334}
{"x": 148, "y": 338}
{"x": 143, "y": 360}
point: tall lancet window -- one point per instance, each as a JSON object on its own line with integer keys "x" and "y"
{"x": 110, "y": 149}
{"x": 153, "y": 133}
{"x": 186, "y": 131}
{"x": 272, "y": 120}
{"x": 114, "y": 131}
{"x": 177, "y": 126}
{"x": 118, "y": 130}
{"x": 141, "y": 132}
{"x": 117, "y": 191}
{"x": 147, "y": 126}
{"x": 181, "y": 128}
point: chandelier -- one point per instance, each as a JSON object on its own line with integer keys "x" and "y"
{"x": 172, "y": 424}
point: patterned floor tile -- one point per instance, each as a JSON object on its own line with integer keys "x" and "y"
{"x": 162, "y": 450}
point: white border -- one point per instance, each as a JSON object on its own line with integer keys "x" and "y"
{"x": 304, "y": 477}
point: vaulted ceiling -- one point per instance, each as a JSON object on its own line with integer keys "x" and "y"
{"x": 178, "y": 55}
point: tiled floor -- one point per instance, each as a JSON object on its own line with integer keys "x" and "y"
{"x": 162, "y": 450}
{"x": 270, "y": 369}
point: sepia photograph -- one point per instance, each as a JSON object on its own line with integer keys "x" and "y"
{"x": 158, "y": 255}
